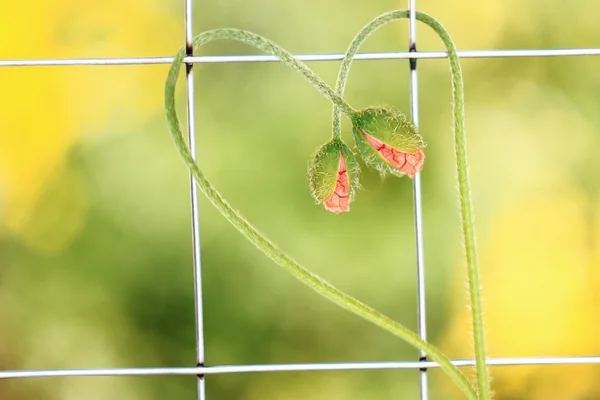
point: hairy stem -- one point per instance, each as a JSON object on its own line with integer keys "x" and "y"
{"x": 268, "y": 46}
{"x": 466, "y": 207}
{"x": 255, "y": 237}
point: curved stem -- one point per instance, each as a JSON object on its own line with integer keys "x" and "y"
{"x": 344, "y": 71}
{"x": 466, "y": 207}
{"x": 286, "y": 57}
{"x": 255, "y": 237}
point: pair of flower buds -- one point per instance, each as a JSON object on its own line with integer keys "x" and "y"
{"x": 385, "y": 138}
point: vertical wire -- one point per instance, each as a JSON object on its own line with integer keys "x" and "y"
{"x": 418, "y": 211}
{"x": 194, "y": 203}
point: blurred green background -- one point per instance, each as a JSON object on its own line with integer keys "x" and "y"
{"x": 95, "y": 247}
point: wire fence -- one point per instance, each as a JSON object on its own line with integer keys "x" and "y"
{"x": 201, "y": 370}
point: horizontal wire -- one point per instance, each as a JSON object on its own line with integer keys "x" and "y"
{"x": 303, "y": 57}
{"x": 230, "y": 369}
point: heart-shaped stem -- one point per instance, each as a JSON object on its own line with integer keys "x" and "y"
{"x": 254, "y": 236}
{"x": 466, "y": 207}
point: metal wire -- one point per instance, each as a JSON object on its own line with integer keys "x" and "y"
{"x": 246, "y": 58}
{"x": 198, "y": 307}
{"x": 237, "y": 369}
{"x": 417, "y": 203}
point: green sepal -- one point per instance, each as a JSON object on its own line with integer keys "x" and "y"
{"x": 389, "y": 126}
{"x": 323, "y": 170}
{"x": 353, "y": 169}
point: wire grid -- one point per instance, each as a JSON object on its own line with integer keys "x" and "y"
{"x": 201, "y": 370}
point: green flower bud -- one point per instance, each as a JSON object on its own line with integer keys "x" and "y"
{"x": 333, "y": 176}
{"x": 387, "y": 140}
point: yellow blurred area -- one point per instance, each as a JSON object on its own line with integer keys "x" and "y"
{"x": 540, "y": 296}
{"x": 47, "y": 110}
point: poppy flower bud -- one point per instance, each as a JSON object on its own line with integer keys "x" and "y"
{"x": 388, "y": 141}
{"x": 333, "y": 176}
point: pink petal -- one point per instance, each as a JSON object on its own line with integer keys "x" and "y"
{"x": 409, "y": 163}
{"x": 339, "y": 200}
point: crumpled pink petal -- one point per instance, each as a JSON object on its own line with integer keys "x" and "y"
{"x": 409, "y": 163}
{"x": 339, "y": 200}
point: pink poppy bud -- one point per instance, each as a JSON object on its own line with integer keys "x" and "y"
{"x": 389, "y": 141}
{"x": 333, "y": 176}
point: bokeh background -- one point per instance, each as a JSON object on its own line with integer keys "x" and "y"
{"x": 95, "y": 248}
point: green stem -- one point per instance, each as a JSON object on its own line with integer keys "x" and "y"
{"x": 466, "y": 207}
{"x": 255, "y": 237}
{"x": 287, "y": 58}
